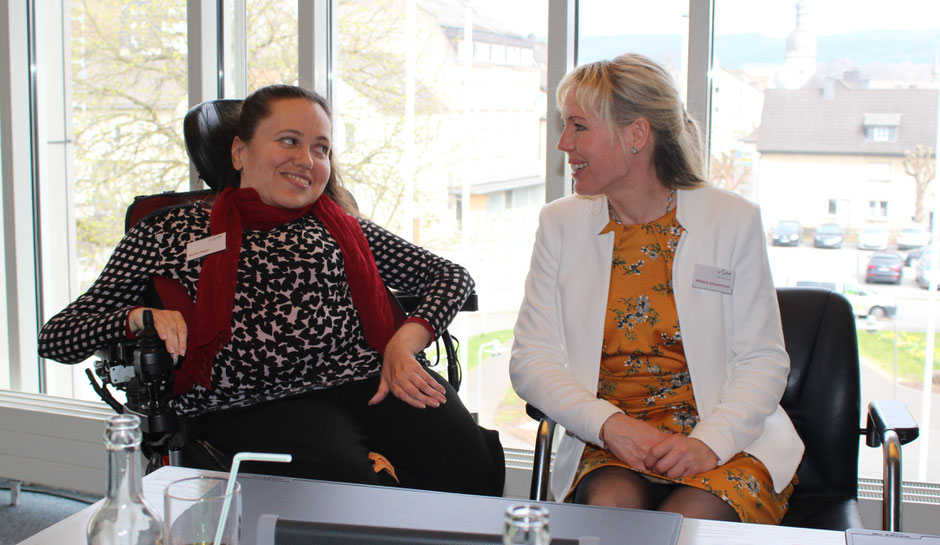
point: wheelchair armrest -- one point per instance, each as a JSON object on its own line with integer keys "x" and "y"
{"x": 409, "y": 301}
{"x": 884, "y": 415}
{"x": 542, "y": 457}
{"x": 533, "y": 412}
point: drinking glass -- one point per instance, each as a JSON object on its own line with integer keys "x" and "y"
{"x": 526, "y": 524}
{"x": 193, "y": 508}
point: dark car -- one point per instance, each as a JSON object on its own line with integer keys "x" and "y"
{"x": 829, "y": 235}
{"x": 787, "y": 233}
{"x": 884, "y": 267}
{"x": 911, "y": 258}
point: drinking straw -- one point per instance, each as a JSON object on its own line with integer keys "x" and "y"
{"x": 236, "y": 461}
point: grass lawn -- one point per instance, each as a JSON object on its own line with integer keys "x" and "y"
{"x": 474, "y": 346}
{"x": 878, "y": 347}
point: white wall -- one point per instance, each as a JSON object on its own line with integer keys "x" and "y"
{"x": 53, "y": 441}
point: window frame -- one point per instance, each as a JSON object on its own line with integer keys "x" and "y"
{"x": 20, "y": 224}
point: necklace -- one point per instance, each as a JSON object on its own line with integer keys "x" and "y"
{"x": 613, "y": 215}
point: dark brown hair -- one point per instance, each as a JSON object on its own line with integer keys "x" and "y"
{"x": 257, "y": 107}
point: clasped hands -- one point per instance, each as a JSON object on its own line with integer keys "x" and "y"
{"x": 402, "y": 375}
{"x": 645, "y": 447}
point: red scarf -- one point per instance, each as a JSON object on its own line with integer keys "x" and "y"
{"x": 238, "y": 209}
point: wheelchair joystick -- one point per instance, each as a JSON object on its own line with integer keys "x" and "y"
{"x": 152, "y": 362}
{"x": 154, "y": 368}
{"x": 143, "y": 369}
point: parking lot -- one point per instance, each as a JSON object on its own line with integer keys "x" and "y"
{"x": 792, "y": 264}
{"x": 847, "y": 264}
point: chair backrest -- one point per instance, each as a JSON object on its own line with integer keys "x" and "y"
{"x": 209, "y": 129}
{"x": 823, "y": 391}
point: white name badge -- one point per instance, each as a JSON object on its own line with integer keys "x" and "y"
{"x": 713, "y": 278}
{"x": 205, "y": 246}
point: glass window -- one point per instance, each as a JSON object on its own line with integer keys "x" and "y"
{"x": 881, "y": 134}
{"x": 4, "y": 351}
{"x": 878, "y": 209}
{"x": 113, "y": 131}
{"x": 261, "y": 45}
{"x": 822, "y": 118}
{"x": 659, "y": 31}
{"x": 423, "y": 133}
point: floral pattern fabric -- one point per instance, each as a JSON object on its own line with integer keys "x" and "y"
{"x": 644, "y": 371}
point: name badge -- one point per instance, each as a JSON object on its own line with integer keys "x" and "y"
{"x": 205, "y": 246}
{"x": 713, "y": 279}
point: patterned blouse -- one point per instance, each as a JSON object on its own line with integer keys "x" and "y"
{"x": 294, "y": 327}
{"x": 644, "y": 371}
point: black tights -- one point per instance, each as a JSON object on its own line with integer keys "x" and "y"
{"x": 330, "y": 433}
{"x": 613, "y": 486}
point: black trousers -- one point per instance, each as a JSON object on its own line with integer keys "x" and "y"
{"x": 330, "y": 432}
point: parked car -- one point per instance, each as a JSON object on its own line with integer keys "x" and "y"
{"x": 865, "y": 301}
{"x": 922, "y": 271}
{"x": 787, "y": 233}
{"x": 884, "y": 267}
{"x": 873, "y": 237}
{"x": 913, "y": 236}
{"x": 911, "y": 258}
{"x": 828, "y": 235}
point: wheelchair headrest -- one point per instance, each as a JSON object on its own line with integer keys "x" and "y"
{"x": 209, "y": 129}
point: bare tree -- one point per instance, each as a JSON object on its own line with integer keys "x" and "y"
{"x": 728, "y": 172}
{"x": 129, "y": 86}
{"x": 129, "y": 96}
{"x": 920, "y": 165}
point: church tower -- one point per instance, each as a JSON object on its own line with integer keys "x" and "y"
{"x": 799, "y": 65}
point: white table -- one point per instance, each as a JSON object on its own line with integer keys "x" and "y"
{"x": 71, "y": 531}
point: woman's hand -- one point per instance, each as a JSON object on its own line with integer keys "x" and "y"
{"x": 403, "y": 375}
{"x": 681, "y": 456}
{"x": 631, "y": 440}
{"x": 170, "y": 326}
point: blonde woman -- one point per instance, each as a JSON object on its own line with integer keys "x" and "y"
{"x": 650, "y": 328}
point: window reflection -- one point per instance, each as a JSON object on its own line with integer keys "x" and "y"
{"x": 447, "y": 151}
{"x": 825, "y": 124}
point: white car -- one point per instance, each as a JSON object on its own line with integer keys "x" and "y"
{"x": 865, "y": 301}
{"x": 913, "y": 236}
{"x": 873, "y": 237}
{"x": 923, "y": 271}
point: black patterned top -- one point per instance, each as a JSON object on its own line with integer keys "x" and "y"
{"x": 294, "y": 327}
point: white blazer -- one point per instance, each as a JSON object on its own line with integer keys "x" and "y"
{"x": 733, "y": 342}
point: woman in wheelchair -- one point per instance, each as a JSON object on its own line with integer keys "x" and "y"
{"x": 290, "y": 345}
{"x": 656, "y": 417}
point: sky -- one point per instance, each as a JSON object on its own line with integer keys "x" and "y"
{"x": 775, "y": 18}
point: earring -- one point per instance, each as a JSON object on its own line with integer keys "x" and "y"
{"x": 634, "y": 151}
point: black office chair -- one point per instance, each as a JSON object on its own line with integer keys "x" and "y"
{"x": 822, "y": 399}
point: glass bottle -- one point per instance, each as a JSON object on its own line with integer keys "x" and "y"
{"x": 124, "y": 518}
{"x": 526, "y": 524}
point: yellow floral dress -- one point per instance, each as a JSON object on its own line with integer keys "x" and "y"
{"x": 644, "y": 371}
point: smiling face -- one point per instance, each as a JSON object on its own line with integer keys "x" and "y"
{"x": 287, "y": 159}
{"x": 598, "y": 160}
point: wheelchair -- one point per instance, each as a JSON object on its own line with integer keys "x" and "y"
{"x": 141, "y": 367}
